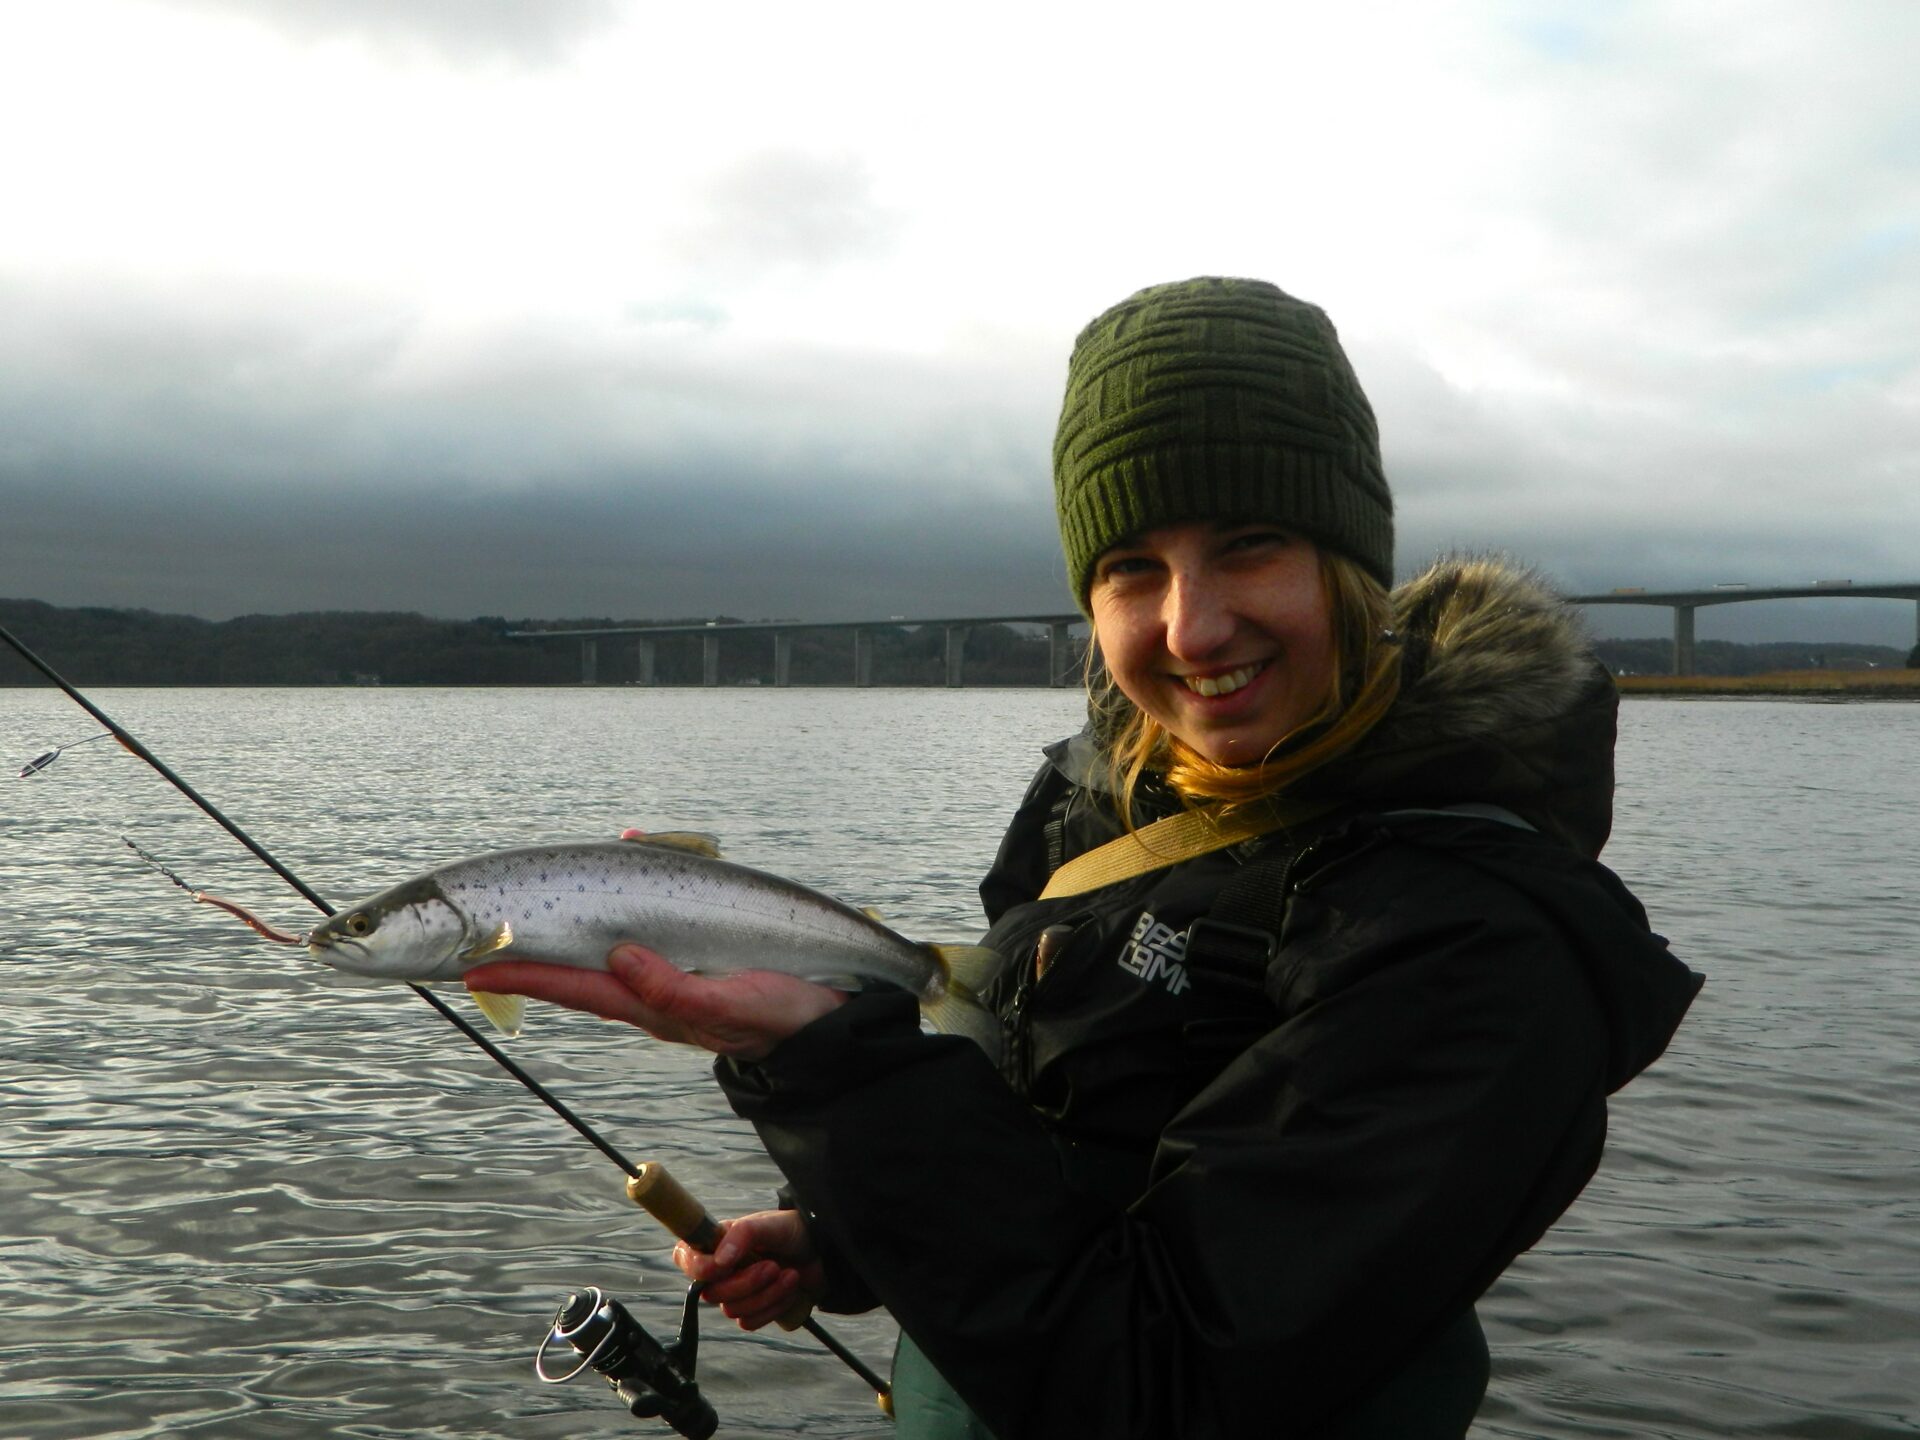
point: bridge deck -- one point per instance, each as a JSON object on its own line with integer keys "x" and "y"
{"x": 1682, "y": 602}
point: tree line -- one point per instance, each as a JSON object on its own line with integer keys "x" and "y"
{"x": 1726, "y": 657}
{"x": 92, "y": 645}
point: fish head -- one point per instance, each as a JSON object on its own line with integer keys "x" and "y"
{"x": 410, "y": 932}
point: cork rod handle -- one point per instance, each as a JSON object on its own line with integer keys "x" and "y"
{"x": 668, "y": 1201}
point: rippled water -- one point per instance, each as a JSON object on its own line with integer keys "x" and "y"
{"x": 239, "y": 1201}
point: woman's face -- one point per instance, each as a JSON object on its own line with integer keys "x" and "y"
{"x": 1220, "y": 631}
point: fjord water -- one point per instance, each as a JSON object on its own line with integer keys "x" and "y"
{"x": 238, "y": 1200}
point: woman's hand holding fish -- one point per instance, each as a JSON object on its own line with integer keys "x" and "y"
{"x": 742, "y": 1016}
{"x": 762, "y": 1261}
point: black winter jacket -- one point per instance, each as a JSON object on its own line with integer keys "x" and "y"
{"x": 1221, "y": 1191}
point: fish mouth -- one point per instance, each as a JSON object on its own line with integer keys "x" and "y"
{"x": 318, "y": 945}
{"x": 1232, "y": 680}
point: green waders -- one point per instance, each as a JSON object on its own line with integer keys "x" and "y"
{"x": 1433, "y": 1397}
{"x": 924, "y": 1405}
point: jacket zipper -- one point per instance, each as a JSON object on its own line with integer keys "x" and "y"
{"x": 1034, "y": 970}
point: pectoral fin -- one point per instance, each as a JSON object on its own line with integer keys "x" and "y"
{"x": 505, "y": 1011}
{"x": 499, "y": 939}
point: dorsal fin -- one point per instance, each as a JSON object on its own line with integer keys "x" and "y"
{"x": 695, "y": 842}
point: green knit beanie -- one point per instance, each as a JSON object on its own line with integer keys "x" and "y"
{"x": 1217, "y": 399}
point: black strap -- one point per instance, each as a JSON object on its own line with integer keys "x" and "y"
{"x": 1055, "y": 832}
{"x": 1240, "y": 933}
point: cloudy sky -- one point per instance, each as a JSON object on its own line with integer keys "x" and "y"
{"x": 602, "y": 308}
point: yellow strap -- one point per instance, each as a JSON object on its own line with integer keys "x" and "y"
{"x": 1168, "y": 842}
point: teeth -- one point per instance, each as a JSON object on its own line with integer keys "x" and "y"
{"x": 1223, "y": 684}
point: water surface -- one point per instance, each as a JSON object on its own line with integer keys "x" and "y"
{"x": 243, "y": 1202}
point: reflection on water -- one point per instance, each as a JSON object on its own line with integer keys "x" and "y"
{"x": 243, "y": 1201}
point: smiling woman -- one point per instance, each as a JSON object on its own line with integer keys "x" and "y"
{"x": 1315, "y": 621}
{"x": 1221, "y": 632}
{"x": 1278, "y": 1100}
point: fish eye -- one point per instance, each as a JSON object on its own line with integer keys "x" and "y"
{"x": 359, "y": 924}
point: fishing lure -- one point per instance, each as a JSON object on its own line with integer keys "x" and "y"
{"x": 38, "y": 766}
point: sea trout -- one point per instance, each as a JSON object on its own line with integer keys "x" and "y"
{"x": 570, "y": 904}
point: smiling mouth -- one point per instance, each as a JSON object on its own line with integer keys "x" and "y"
{"x": 1211, "y": 685}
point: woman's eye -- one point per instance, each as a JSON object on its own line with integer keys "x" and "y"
{"x": 1123, "y": 565}
{"x": 1256, "y": 539}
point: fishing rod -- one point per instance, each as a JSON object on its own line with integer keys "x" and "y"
{"x": 648, "y": 1185}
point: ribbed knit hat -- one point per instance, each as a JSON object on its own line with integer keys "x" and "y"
{"x": 1217, "y": 399}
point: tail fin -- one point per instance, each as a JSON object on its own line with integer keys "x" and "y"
{"x": 958, "y": 1011}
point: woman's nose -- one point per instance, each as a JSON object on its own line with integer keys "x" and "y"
{"x": 1198, "y": 618}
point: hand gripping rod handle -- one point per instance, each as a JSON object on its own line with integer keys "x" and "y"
{"x": 654, "y": 1190}
{"x": 657, "y": 1192}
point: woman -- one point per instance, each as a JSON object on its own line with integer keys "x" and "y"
{"x": 1325, "y": 1039}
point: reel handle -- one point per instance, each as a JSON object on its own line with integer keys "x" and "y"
{"x": 668, "y": 1201}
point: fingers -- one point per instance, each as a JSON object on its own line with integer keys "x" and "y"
{"x": 742, "y": 1015}
{"x": 656, "y": 983}
{"x": 742, "y": 1241}
{"x": 590, "y": 990}
{"x": 776, "y": 1234}
{"x": 692, "y": 1263}
{"x": 597, "y": 992}
{"x": 767, "y": 1303}
{"x": 744, "y": 1288}
{"x": 668, "y": 1003}
{"x": 755, "y": 1293}
{"x": 759, "y": 1264}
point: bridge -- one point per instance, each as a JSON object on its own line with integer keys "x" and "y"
{"x": 1684, "y": 602}
{"x": 1063, "y": 655}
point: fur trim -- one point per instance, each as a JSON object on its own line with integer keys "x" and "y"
{"x": 1489, "y": 646}
{"x": 1501, "y": 702}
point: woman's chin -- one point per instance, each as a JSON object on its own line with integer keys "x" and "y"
{"x": 1232, "y": 747}
{"x": 1230, "y": 733}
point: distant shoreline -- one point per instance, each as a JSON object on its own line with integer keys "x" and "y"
{"x": 94, "y": 646}
{"x": 1878, "y": 684}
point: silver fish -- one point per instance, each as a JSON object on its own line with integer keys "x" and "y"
{"x": 570, "y": 904}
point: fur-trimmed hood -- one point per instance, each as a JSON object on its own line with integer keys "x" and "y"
{"x": 1501, "y": 702}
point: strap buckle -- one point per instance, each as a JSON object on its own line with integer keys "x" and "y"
{"x": 1236, "y": 949}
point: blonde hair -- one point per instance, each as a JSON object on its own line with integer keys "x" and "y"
{"x": 1363, "y": 682}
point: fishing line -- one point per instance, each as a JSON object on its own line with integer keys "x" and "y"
{"x": 38, "y": 766}
{"x": 212, "y": 811}
{"x": 637, "y": 1175}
